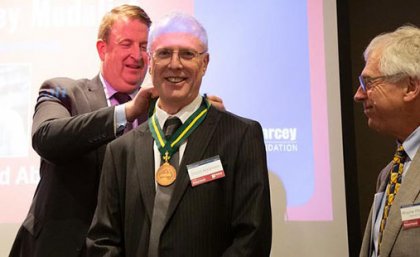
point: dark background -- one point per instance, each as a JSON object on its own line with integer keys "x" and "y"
{"x": 365, "y": 151}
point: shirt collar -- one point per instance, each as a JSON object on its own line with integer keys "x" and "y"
{"x": 183, "y": 114}
{"x": 412, "y": 143}
{"x": 109, "y": 90}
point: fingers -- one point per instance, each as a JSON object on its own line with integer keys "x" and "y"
{"x": 148, "y": 92}
{"x": 216, "y": 102}
{"x": 214, "y": 98}
{"x": 140, "y": 103}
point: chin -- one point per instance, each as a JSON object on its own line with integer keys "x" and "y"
{"x": 375, "y": 126}
{"x": 129, "y": 88}
{"x": 174, "y": 99}
{"x": 132, "y": 76}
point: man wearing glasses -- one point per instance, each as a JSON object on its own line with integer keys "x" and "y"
{"x": 73, "y": 122}
{"x": 390, "y": 93}
{"x": 192, "y": 181}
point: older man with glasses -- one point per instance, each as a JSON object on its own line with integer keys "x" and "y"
{"x": 390, "y": 93}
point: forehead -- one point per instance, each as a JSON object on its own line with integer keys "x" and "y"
{"x": 177, "y": 39}
{"x": 129, "y": 28}
{"x": 372, "y": 65}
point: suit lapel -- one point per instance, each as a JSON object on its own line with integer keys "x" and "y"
{"x": 384, "y": 177}
{"x": 95, "y": 94}
{"x": 366, "y": 248}
{"x": 96, "y": 99}
{"x": 197, "y": 143}
{"x": 407, "y": 194}
{"x": 144, "y": 156}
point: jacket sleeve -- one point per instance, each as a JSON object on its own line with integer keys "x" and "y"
{"x": 64, "y": 126}
{"x": 251, "y": 218}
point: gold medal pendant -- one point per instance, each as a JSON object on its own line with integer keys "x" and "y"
{"x": 166, "y": 174}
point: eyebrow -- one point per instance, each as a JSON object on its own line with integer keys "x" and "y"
{"x": 124, "y": 40}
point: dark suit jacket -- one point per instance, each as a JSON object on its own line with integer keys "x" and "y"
{"x": 396, "y": 241}
{"x": 226, "y": 217}
{"x": 70, "y": 129}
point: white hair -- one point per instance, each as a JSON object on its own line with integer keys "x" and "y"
{"x": 177, "y": 22}
{"x": 399, "y": 52}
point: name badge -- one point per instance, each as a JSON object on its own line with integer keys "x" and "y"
{"x": 205, "y": 171}
{"x": 410, "y": 215}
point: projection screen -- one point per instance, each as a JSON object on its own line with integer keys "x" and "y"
{"x": 275, "y": 61}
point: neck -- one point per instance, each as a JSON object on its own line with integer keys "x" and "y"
{"x": 172, "y": 107}
{"x": 404, "y": 132}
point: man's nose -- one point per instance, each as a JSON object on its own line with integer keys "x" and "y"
{"x": 175, "y": 61}
{"x": 360, "y": 95}
{"x": 137, "y": 52}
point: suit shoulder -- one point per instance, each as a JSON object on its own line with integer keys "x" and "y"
{"x": 65, "y": 83}
{"x": 234, "y": 118}
{"x": 65, "y": 91}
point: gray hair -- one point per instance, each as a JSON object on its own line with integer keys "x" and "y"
{"x": 177, "y": 22}
{"x": 399, "y": 52}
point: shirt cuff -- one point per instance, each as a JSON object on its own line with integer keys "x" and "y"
{"x": 120, "y": 119}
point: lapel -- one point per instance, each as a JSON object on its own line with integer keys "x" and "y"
{"x": 144, "y": 166}
{"x": 409, "y": 191}
{"x": 366, "y": 248}
{"x": 384, "y": 174}
{"x": 197, "y": 144}
{"x": 95, "y": 94}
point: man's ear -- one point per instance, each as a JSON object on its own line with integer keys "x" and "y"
{"x": 413, "y": 89}
{"x": 206, "y": 61}
{"x": 101, "y": 47}
{"x": 150, "y": 65}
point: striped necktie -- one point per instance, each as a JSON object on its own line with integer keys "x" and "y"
{"x": 394, "y": 182}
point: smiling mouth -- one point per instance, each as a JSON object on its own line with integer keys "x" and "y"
{"x": 175, "y": 79}
{"x": 367, "y": 110}
{"x": 133, "y": 66}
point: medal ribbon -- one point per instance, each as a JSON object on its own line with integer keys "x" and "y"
{"x": 170, "y": 146}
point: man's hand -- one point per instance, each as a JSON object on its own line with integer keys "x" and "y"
{"x": 216, "y": 102}
{"x": 140, "y": 103}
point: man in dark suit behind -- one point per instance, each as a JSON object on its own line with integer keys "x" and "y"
{"x": 215, "y": 200}
{"x": 73, "y": 121}
{"x": 390, "y": 92}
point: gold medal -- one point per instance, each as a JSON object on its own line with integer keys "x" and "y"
{"x": 166, "y": 174}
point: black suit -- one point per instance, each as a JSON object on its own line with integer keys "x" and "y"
{"x": 71, "y": 127}
{"x": 226, "y": 217}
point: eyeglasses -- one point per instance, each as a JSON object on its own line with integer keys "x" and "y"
{"x": 367, "y": 82}
{"x": 164, "y": 55}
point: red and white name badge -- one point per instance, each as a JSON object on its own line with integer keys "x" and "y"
{"x": 410, "y": 215}
{"x": 205, "y": 171}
